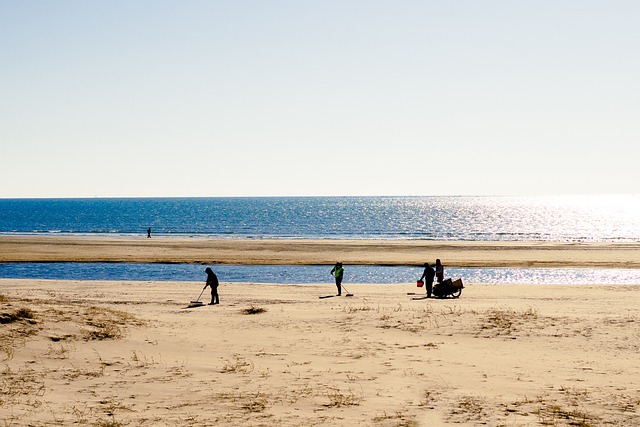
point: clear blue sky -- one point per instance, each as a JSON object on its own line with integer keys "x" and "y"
{"x": 217, "y": 98}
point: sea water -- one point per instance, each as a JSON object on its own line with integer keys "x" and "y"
{"x": 597, "y": 218}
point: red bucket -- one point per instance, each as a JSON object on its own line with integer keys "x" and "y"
{"x": 419, "y": 283}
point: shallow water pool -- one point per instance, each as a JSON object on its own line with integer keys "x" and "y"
{"x": 312, "y": 274}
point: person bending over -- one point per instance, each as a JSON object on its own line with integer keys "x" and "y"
{"x": 212, "y": 282}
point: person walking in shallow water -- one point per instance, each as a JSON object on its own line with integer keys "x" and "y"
{"x": 212, "y": 282}
{"x": 338, "y": 272}
{"x": 148, "y": 233}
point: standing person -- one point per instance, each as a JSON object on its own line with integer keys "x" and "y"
{"x": 338, "y": 272}
{"x": 439, "y": 271}
{"x": 212, "y": 281}
{"x": 148, "y": 233}
{"x": 428, "y": 275}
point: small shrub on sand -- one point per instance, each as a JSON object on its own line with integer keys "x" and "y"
{"x": 468, "y": 408}
{"x": 20, "y": 324}
{"x": 238, "y": 366}
{"x": 257, "y": 403}
{"x": 103, "y": 331}
{"x": 338, "y": 398}
{"x": 553, "y": 414}
{"x": 253, "y": 310}
{"x": 16, "y": 316}
{"x": 25, "y": 313}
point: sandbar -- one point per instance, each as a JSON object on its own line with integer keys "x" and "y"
{"x": 317, "y": 252}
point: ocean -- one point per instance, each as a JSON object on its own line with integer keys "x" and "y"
{"x": 594, "y": 218}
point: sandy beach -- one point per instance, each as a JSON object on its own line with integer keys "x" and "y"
{"x": 129, "y": 353}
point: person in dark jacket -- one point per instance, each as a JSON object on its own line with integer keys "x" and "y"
{"x": 428, "y": 275}
{"x": 439, "y": 271}
{"x": 212, "y": 282}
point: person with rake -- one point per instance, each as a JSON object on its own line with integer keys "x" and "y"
{"x": 338, "y": 272}
{"x": 212, "y": 282}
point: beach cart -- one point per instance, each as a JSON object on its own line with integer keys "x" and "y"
{"x": 448, "y": 288}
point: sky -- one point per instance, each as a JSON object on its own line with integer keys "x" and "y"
{"x": 150, "y": 98}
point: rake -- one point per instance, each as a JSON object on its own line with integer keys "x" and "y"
{"x": 197, "y": 302}
{"x": 348, "y": 294}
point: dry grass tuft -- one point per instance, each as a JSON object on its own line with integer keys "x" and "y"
{"x": 506, "y": 321}
{"x": 17, "y": 316}
{"x": 468, "y": 408}
{"x": 253, "y": 310}
{"x": 103, "y": 331}
{"x": 107, "y": 324}
{"x": 399, "y": 419}
{"x": 19, "y": 325}
{"x": 58, "y": 351}
{"x": 364, "y": 307}
{"x": 257, "y": 403}
{"x": 565, "y": 409}
{"x": 338, "y": 399}
{"x": 21, "y": 383}
{"x": 552, "y": 414}
{"x": 240, "y": 365}
{"x": 428, "y": 397}
{"x": 111, "y": 406}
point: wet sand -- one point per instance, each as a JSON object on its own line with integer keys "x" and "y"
{"x": 310, "y": 252}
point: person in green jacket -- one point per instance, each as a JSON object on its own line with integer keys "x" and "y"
{"x": 338, "y": 272}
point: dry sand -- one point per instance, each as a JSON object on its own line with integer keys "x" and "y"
{"x": 117, "y": 353}
{"x": 129, "y": 353}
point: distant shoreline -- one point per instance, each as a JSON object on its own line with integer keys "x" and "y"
{"x": 62, "y": 248}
